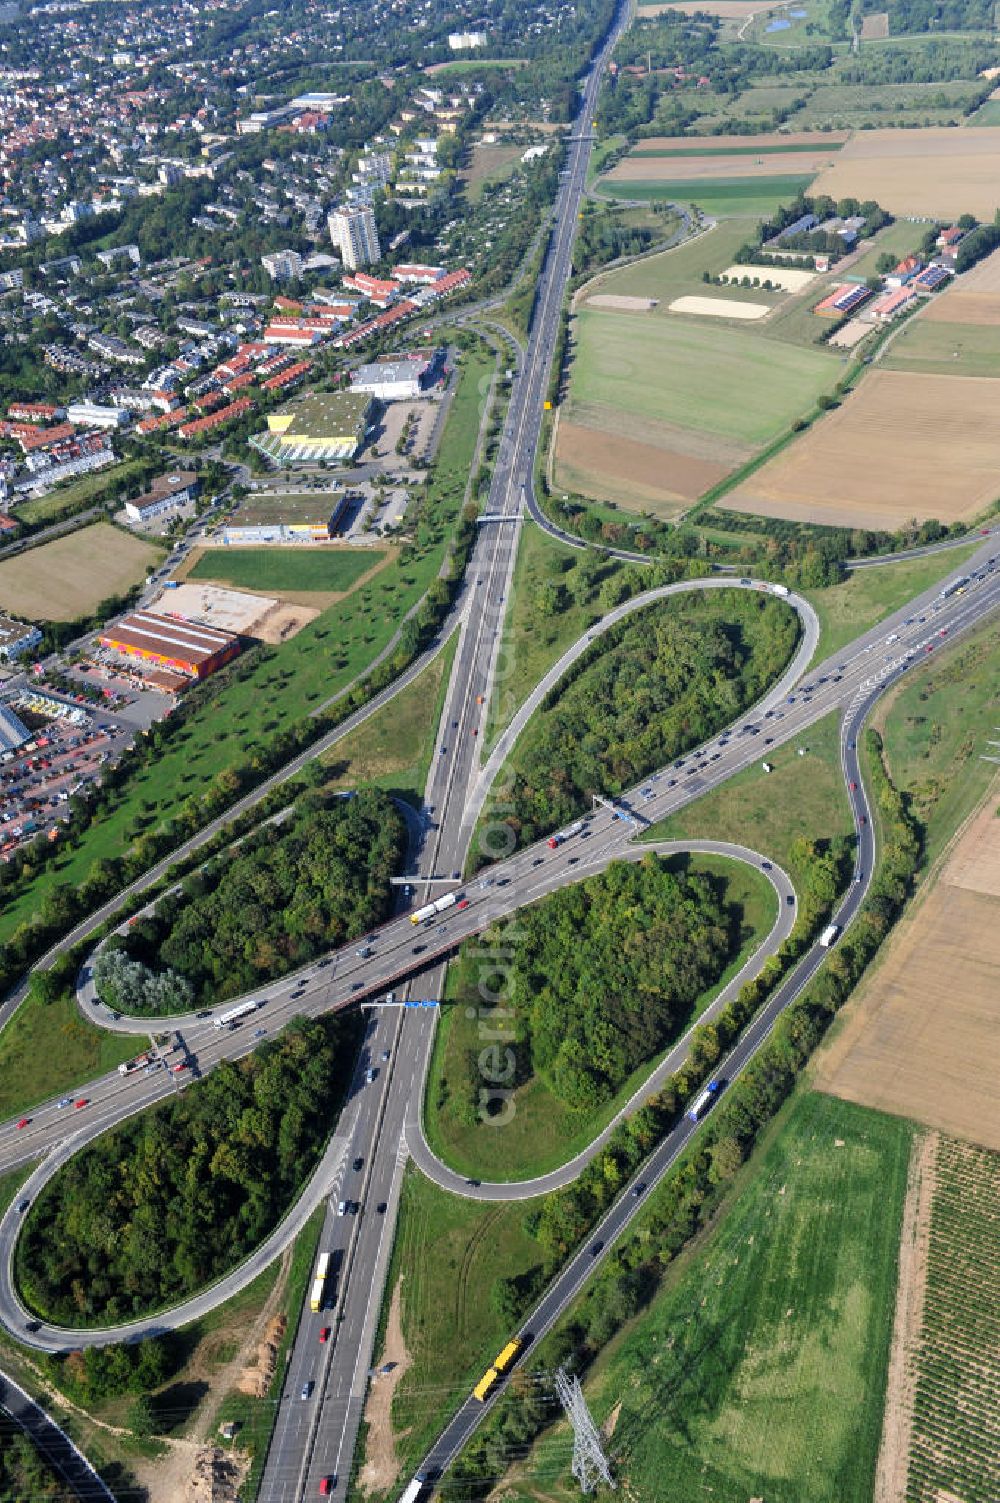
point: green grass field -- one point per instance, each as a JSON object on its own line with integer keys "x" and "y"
{"x": 727, "y": 197}
{"x": 936, "y": 727}
{"x": 867, "y": 595}
{"x": 726, "y": 151}
{"x": 543, "y": 1132}
{"x": 898, "y": 239}
{"x": 694, "y": 375}
{"x": 857, "y": 105}
{"x": 448, "y": 1253}
{"x": 284, "y": 569}
{"x": 295, "y": 677}
{"x": 803, "y": 798}
{"x": 48, "y": 1048}
{"x": 759, "y": 1369}
{"x": 677, "y": 271}
{"x": 945, "y": 349}
{"x": 393, "y": 749}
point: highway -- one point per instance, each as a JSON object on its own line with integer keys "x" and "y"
{"x": 53, "y": 1445}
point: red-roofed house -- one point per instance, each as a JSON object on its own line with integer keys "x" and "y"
{"x": 906, "y": 270}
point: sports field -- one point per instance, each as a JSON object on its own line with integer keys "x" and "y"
{"x": 759, "y": 1370}
{"x": 936, "y": 171}
{"x": 69, "y": 577}
{"x": 923, "y": 1039}
{"x": 900, "y": 446}
{"x": 293, "y": 571}
{"x": 687, "y": 401}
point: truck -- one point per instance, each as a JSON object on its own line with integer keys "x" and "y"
{"x": 554, "y": 841}
{"x": 829, "y": 934}
{"x": 701, "y": 1104}
{"x": 954, "y": 588}
{"x": 171, "y": 584}
{"x": 415, "y": 1488}
{"x": 431, "y": 910}
{"x": 779, "y": 589}
{"x": 235, "y": 1015}
{"x": 492, "y": 1376}
{"x": 129, "y": 1066}
{"x": 319, "y": 1283}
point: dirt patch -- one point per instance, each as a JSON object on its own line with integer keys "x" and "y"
{"x": 258, "y": 1370}
{"x": 719, "y": 307}
{"x": 921, "y": 1038}
{"x": 875, "y": 28}
{"x": 901, "y": 1383}
{"x": 937, "y": 170}
{"x": 381, "y": 1466}
{"x": 622, "y": 302}
{"x": 283, "y": 621}
{"x": 852, "y": 333}
{"x": 634, "y": 474}
{"x": 901, "y": 446}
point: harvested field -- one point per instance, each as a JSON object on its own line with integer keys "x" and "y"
{"x": 719, "y": 307}
{"x": 935, "y": 171}
{"x": 637, "y": 475}
{"x": 788, "y": 278}
{"x": 973, "y": 299}
{"x": 875, "y": 28}
{"x": 621, "y": 302}
{"x": 69, "y": 577}
{"x": 922, "y": 1038}
{"x": 901, "y": 446}
{"x": 719, "y": 146}
{"x": 685, "y": 166}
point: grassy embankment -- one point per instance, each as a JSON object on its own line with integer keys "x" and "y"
{"x": 48, "y": 1048}
{"x": 393, "y": 749}
{"x": 293, "y": 678}
{"x": 867, "y": 595}
{"x": 543, "y": 1131}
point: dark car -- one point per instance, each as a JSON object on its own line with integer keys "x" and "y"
{"x": 595, "y": 1248}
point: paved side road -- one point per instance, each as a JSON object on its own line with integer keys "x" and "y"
{"x": 53, "y": 1444}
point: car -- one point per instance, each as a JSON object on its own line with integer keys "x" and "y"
{"x": 342, "y": 1208}
{"x": 862, "y": 819}
{"x": 595, "y": 1248}
{"x": 381, "y": 1208}
{"x": 307, "y": 1389}
{"x": 929, "y": 647}
{"x": 324, "y": 1335}
{"x": 176, "y": 1069}
{"x": 637, "y": 1190}
{"x": 859, "y": 876}
{"x": 850, "y": 746}
{"x": 462, "y": 903}
{"x": 259, "y": 1033}
{"x": 327, "y": 1484}
{"x": 854, "y": 787}
{"x": 23, "y": 1206}
{"x": 358, "y": 1163}
{"x": 66, "y": 1101}
{"x": 790, "y": 900}
{"x": 364, "y": 953}
{"x": 943, "y": 632}
{"x": 765, "y": 866}
{"x": 385, "y": 1054}
{"x": 80, "y": 1102}
{"x": 356, "y": 986}
{"x": 370, "y": 1075}
{"x": 444, "y": 751}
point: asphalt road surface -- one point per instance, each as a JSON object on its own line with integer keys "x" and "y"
{"x": 53, "y": 1445}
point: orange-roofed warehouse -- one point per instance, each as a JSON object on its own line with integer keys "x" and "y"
{"x": 187, "y": 647}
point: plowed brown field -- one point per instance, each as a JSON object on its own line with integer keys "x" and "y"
{"x": 901, "y": 446}
{"x": 922, "y": 1039}
{"x": 631, "y": 473}
{"x": 687, "y": 168}
{"x": 974, "y": 299}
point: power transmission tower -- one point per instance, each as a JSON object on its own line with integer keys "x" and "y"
{"x": 590, "y": 1465}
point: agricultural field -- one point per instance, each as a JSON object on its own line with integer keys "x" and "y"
{"x": 927, "y": 106}
{"x": 854, "y": 469}
{"x": 953, "y": 1348}
{"x": 69, "y": 577}
{"x": 661, "y": 408}
{"x": 987, "y": 114}
{"x": 759, "y": 1368}
{"x": 930, "y": 346}
{"x": 928, "y": 172}
{"x": 740, "y": 196}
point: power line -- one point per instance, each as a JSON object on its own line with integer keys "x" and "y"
{"x": 590, "y": 1465}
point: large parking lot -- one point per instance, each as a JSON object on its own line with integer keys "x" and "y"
{"x": 36, "y": 783}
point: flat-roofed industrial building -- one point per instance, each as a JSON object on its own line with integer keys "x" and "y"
{"x": 172, "y": 642}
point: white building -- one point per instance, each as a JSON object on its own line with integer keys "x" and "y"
{"x": 13, "y": 732}
{"x": 462, "y": 41}
{"x": 17, "y": 638}
{"x": 283, "y": 266}
{"x": 165, "y": 494}
{"x": 354, "y": 233}
{"x": 393, "y": 380}
{"x": 95, "y": 415}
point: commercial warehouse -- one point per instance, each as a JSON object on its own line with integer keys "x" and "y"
{"x": 287, "y": 519}
{"x": 318, "y": 426}
{"x": 171, "y": 642}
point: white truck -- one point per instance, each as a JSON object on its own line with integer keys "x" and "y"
{"x": 129, "y": 1066}
{"x": 431, "y": 910}
{"x": 779, "y": 589}
{"x": 829, "y": 934}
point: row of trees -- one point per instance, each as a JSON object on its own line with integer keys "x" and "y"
{"x": 174, "y": 1198}
{"x": 264, "y": 907}
{"x": 605, "y": 973}
{"x": 655, "y": 685}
